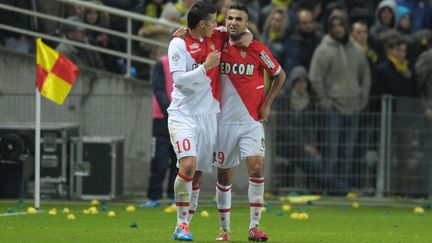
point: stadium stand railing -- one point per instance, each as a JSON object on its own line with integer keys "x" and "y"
{"x": 386, "y": 150}
{"x": 128, "y": 35}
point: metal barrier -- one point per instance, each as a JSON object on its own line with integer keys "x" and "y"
{"x": 383, "y": 150}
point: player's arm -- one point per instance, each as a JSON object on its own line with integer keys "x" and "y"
{"x": 277, "y": 84}
{"x": 177, "y": 59}
{"x": 273, "y": 67}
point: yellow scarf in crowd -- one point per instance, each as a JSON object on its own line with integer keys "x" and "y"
{"x": 282, "y": 3}
{"x": 370, "y": 53}
{"x": 272, "y": 35}
{"x": 402, "y": 68}
{"x": 183, "y": 11}
{"x": 220, "y": 19}
{"x": 151, "y": 11}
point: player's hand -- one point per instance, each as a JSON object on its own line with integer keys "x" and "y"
{"x": 180, "y": 32}
{"x": 244, "y": 40}
{"x": 264, "y": 111}
{"x": 213, "y": 60}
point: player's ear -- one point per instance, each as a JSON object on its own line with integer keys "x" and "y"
{"x": 201, "y": 23}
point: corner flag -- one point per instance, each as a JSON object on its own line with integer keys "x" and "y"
{"x": 55, "y": 74}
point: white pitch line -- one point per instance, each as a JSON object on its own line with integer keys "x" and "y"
{"x": 16, "y": 214}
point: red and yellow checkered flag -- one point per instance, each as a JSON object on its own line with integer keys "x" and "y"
{"x": 55, "y": 74}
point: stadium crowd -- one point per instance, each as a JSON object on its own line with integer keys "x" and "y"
{"x": 292, "y": 29}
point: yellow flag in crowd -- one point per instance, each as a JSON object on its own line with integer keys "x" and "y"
{"x": 55, "y": 74}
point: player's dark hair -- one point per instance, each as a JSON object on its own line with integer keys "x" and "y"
{"x": 241, "y": 7}
{"x": 199, "y": 11}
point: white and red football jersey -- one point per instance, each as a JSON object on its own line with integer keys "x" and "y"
{"x": 195, "y": 91}
{"x": 242, "y": 81}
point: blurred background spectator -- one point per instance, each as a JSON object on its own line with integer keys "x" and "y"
{"x": 385, "y": 17}
{"x": 301, "y": 45}
{"x": 12, "y": 40}
{"x": 274, "y": 33}
{"x": 340, "y": 76}
{"x": 78, "y": 55}
{"x": 423, "y": 69}
{"x": 395, "y": 75}
{"x": 161, "y": 33}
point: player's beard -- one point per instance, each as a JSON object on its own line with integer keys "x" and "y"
{"x": 236, "y": 34}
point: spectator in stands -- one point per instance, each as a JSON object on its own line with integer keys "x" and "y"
{"x": 423, "y": 68}
{"x": 119, "y": 23}
{"x": 403, "y": 20}
{"x": 329, "y": 10}
{"x": 360, "y": 35}
{"x": 340, "y": 76}
{"x": 315, "y": 6}
{"x": 52, "y": 8}
{"x": 163, "y": 34}
{"x": 422, "y": 18}
{"x": 287, "y": 5}
{"x": 274, "y": 33}
{"x": 163, "y": 156}
{"x": 78, "y": 55}
{"x": 14, "y": 40}
{"x": 385, "y": 17}
{"x": 101, "y": 19}
{"x": 302, "y": 44}
{"x": 183, "y": 7}
{"x": 368, "y": 121}
{"x": 395, "y": 75}
{"x": 154, "y": 8}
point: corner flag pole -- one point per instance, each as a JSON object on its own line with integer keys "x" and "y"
{"x": 37, "y": 150}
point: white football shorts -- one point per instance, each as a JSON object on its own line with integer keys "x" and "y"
{"x": 235, "y": 142}
{"x": 194, "y": 135}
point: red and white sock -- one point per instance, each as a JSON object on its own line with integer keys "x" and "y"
{"x": 256, "y": 200}
{"x": 193, "y": 202}
{"x": 223, "y": 199}
{"x": 182, "y": 194}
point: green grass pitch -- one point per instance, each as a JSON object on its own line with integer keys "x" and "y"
{"x": 325, "y": 224}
